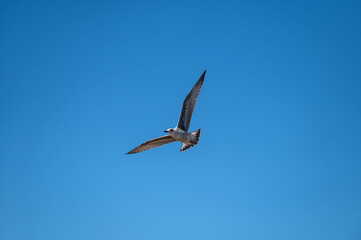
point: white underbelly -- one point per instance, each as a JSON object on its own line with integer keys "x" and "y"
{"x": 183, "y": 137}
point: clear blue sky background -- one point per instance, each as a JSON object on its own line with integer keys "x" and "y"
{"x": 82, "y": 83}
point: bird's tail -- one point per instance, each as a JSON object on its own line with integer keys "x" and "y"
{"x": 195, "y": 135}
{"x": 194, "y": 140}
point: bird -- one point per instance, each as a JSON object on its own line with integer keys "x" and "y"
{"x": 180, "y": 132}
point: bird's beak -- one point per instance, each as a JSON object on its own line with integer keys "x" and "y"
{"x": 165, "y": 131}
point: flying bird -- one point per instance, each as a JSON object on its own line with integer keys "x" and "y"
{"x": 180, "y": 132}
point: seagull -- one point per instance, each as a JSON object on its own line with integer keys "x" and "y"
{"x": 180, "y": 132}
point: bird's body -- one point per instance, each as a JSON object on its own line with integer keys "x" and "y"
{"x": 180, "y": 135}
{"x": 180, "y": 132}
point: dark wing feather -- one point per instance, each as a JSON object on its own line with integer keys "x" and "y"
{"x": 156, "y": 142}
{"x": 189, "y": 103}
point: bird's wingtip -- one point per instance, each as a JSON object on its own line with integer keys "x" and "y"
{"x": 203, "y": 74}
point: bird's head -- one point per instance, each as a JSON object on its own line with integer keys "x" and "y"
{"x": 169, "y": 130}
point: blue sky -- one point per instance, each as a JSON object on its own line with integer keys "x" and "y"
{"x": 82, "y": 83}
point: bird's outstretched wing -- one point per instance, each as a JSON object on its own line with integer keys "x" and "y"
{"x": 156, "y": 142}
{"x": 189, "y": 103}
